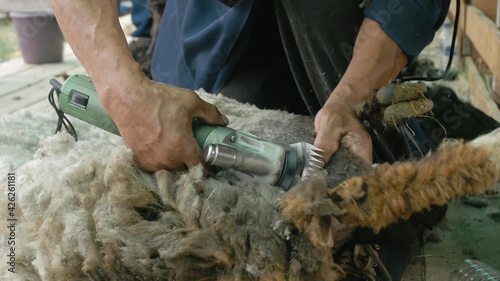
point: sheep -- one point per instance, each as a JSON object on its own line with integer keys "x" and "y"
{"x": 85, "y": 211}
{"x": 454, "y": 118}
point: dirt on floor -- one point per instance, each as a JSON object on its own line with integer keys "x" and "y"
{"x": 468, "y": 231}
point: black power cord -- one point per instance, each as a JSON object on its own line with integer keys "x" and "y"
{"x": 450, "y": 58}
{"x": 63, "y": 120}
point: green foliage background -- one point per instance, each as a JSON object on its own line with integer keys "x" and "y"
{"x": 9, "y": 45}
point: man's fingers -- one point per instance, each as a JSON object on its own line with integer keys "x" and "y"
{"x": 171, "y": 157}
{"x": 329, "y": 143}
{"x": 358, "y": 142}
{"x": 210, "y": 114}
{"x": 360, "y": 145}
{"x": 363, "y": 153}
{"x": 194, "y": 155}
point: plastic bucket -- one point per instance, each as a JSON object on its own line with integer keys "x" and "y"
{"x": 40, "y": 37}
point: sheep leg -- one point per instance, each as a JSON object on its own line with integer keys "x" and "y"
{"x": 387, "y": 193}
{"x": 391, "y": 192}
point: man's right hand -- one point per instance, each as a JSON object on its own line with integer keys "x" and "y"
{"x": 155, "y": 121}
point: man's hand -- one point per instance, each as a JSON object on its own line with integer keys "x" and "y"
{"x": 376, "y": 60}
{"x": 336, "y": 124}
{"x": 155, "y": 121}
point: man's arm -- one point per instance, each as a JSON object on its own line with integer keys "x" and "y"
{"x": 154, "y": 119}
{"x": 392, "y": 34}
{"x": 377, "y": 59}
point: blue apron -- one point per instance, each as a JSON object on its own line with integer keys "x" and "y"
{"x": 195, "y": 46}
{"x": 195, "y": 43}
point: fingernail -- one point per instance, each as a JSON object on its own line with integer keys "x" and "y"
{"x": 224, "y": 119}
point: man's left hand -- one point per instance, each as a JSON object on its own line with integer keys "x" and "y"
{"x": 336, "y": 124}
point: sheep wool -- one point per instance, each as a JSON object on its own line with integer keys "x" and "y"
{"x": 85, "y": 211}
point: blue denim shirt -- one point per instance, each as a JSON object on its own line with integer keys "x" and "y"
{"x": 412, "y": 24}
{"x": 195, "y": 46}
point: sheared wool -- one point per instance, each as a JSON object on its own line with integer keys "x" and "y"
{"x": 85, "y": 211}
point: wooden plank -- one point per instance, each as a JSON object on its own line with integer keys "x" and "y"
{"x": 17, "y": 65}
{"x": 461, "y": 43}
{"x": 7, "y": 86}
{"x": 25, "y": 5}
{"x": 488, "y": 7}
{"x": 40, "y": 106}
{"x": 25, "y": 97}
{"x": 452, "y": 11}
{"x": 498, "y": 15}
{"x": 496, "y": 90}
{"x": 12, "y": 66}
{"x": 43, "y": 70}
{"x": 479, "y": 94}
{"x": 33, "y": 94}
{"x": 23, "y": 79}
{"x": 485, "y": 37}
{"x": 26, "y": 86}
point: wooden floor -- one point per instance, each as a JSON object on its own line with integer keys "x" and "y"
{"x": 27, "y": 85}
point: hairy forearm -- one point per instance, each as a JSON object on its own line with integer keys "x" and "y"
{"x": 93, "y": 31}
{"x": 154, "y": 118}
{"x": 376, "y": 60}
